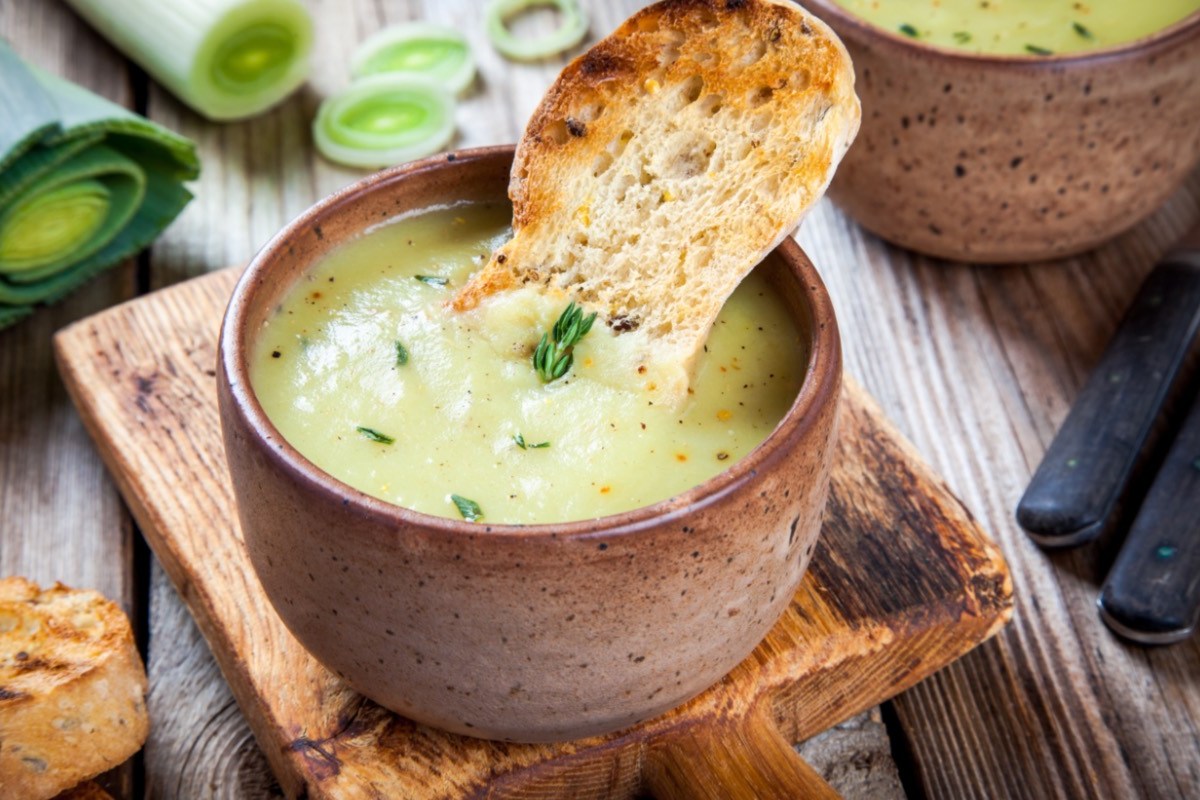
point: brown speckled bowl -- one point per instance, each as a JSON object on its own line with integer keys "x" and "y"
{"x": 1015, "y": 158}
{"x": 527, "y": 633}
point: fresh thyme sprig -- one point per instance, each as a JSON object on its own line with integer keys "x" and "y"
{"x": 469, "y": 509}
{"x": 553, "y": 356}
{"x": 524, "y": 445}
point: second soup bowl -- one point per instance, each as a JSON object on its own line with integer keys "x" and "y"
{"x": 521, "y": 632}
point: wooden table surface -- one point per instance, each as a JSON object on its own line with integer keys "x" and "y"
{"x": 977, "y": 365}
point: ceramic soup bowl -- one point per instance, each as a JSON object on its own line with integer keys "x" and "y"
{"x": 524, "y": 633}
{"x": 1015, "y": 158}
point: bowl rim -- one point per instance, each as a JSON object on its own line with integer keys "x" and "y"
{"x": 820, "y": 386}
{"x": 1161, "y": 39}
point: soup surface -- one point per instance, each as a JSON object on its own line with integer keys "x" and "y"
{"x": 368, "y": 375}
{"x": 1023, "y": 27}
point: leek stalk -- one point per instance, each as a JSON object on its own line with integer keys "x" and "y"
{"x": 227, "y": 59}
{"x": 84, "y": 184}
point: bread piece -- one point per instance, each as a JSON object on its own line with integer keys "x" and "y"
{"x": 669, "y": 159}
{"x": 72, "y": 688}
{"x": 85, "y": 791}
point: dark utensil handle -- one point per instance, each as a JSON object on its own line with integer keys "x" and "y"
{"x": 1152, "y": 594}
{"x": 1089, "y": 463}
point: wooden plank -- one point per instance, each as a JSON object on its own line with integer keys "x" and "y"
{"x": 904, "y": 581}
{"x": 202, "y": 746}
{"x": 257, "y": 175}
{"x": 979, "y": 365}
{"x": 60, "y": 516}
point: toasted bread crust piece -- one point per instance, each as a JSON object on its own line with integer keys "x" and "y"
{"x": 85, "y": 791}
{"x": 665, "y": 162}
{"x": 72, "y": 688}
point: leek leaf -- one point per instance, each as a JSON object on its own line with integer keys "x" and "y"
{"x": 84, "y": 184}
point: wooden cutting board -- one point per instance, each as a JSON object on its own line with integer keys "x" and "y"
{"x": 903, "y": 582}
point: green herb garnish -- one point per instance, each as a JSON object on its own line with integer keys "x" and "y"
{"x": 401, "y": 354}
{"x": 1082, "y": 31}
{"x": 524, "y": 445}
{"x": 374, "y": 435}
{"x": 553, "y": 356}
{"x": 909, "y": 30}
{"x": 1038, "y": 51}
{"x": 469, "y": 509}
{"x": 432, "y": 280}
{"x": 962, "y": 37}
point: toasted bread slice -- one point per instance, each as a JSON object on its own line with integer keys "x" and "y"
{"x": 669, "y": 159}
{"x": 72, "y": 688}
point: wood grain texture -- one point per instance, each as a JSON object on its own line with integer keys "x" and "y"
{"x": 60, "y": 516}
{"x": 741, "y": 757}
{"x": 200, "y": 744}
{"x": 904, "y": 582}
{"x": 979, "y": 366}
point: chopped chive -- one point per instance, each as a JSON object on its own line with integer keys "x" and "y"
{"x": 909, "y": 30}
{"x": 432, "y": 280}
{"x": 469, "y": 509}
{"x": 374, "y": 435}
{"x": 524, "y": 445}
{"x": 401, "y": 354}
{"x": 1038, "y": 51}
{"x": 1082, "y": 31}
{"x": 962, "y": 37}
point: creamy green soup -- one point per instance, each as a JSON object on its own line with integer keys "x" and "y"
{"x": 368, "y": 374}
{"x": 1023, "y": 27}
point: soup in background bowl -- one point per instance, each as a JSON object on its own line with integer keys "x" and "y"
{"x": 1001, "y": 158}
{"x": 534, "y": 632}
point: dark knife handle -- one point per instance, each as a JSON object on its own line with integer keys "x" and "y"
{"x": 1152, "y": 593}
{"x": 1088, "y": 465}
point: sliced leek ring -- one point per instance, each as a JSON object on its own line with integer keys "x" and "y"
{"x": 383, "y": 120}
{"x": 417, "y": 48}
{"x": 568, "y": 34}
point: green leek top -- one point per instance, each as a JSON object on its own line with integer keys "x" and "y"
{"x": 84, "y": 184}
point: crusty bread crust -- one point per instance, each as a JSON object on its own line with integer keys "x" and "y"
{"x": 72, "y": 688}
{"x": 85, "y": 791}
{"x": 669, "y": 159}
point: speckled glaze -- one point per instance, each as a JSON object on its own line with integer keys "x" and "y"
{"x": 524, "y": 633}
{"x": 1005, "y": 158}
